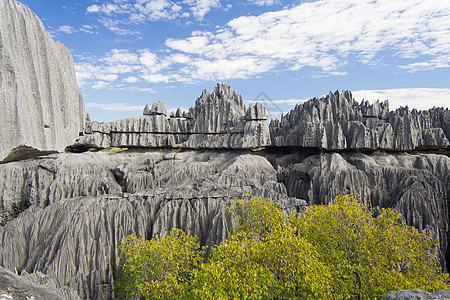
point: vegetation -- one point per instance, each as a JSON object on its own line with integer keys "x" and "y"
{"x": 340, "y": 251}
{"x": 113, "y": 149}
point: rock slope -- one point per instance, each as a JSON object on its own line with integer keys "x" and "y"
{"x": 79, "y": 207}
{"x": 33, "y": 286}
{"x": 415, "y": 185}
{"x": 40, "y": 103}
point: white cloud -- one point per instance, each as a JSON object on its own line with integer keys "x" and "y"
{"x": 330, "y": 34}
{"x": 131, "y": 79}
{"x": 263, "y": 2}
{"x": 88, "y": 29}
{"x": 113, "y": 25}
{"x": 101, "y": 85}
{"x": 327, "y": 36}
{"x": 108, "y": 77}
{"x": 67, "y": 29}
{"x": 93, "y": 8}
{"x": 115, "y": 106}
{"x": 200, "y": 8}
{"x": 419, "y": 98}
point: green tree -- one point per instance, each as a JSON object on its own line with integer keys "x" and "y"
{"x": 157, "y": 268}
{"x": 340, "y": 251}
{"x": 369, "y": 256}
{"x": 262, "y": 259}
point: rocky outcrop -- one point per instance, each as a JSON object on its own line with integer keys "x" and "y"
{"x": 417, "y": 186}
{"x": 417, "y": 295}
{"x": 337, "y": 122}
{"x": 218, "y": 120}
{"x": 73, "y": 210}
{"x": 33, "y": 286}
{"x": 40, "y": 103}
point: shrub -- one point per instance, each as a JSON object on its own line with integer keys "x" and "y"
{"x": 340, "y": 251}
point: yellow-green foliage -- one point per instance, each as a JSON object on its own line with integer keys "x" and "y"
{"x": 331, "y": 252}
{"x": 370, "y": 256}
{"x": 157, "y": 269}
{"x": 176, "y": 150}
{"x": 113, "y": 149}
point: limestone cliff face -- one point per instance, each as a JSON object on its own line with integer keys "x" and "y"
{"x": 77, "y": 208}
{"x": 337, "y": 122}
{"x": 40, "y": 103}
{"x": 37, "y": 286}
{"x": 218, "y": 120}
{"x": 417, "y": 186}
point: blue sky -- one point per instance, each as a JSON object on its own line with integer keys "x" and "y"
{"x": 131, "y": 52}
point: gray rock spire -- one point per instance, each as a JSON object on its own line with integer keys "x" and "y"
{"x": 40, "y": 103}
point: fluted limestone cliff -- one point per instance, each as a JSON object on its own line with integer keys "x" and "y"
{"x": 415, "y": 185}
{"x": 40, "y": 103}
{"x": 218, "y": 120}
{"x": 338, "y": 122}
{"x": 74, "y": 234}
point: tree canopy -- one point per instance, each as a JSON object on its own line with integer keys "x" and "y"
{"x": 339, "y": 251}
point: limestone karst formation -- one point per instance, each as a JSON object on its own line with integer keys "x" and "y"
{"x": 40, "y": 103}
{"x": 218, "y": 120}
{"x": 63, "y": 216}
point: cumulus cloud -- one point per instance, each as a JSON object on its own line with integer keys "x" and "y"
{"x": 67, "y": 29}
{"x": 200, "y": 8}
{"x": 327, "y": 37}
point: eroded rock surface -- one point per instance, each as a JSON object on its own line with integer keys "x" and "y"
{"x": 71, "y": 231}
{"x": 33, "y": 286}
{"x": 415, "y": 185}
{"x": 40, "y": 103}
{"x": 417, "y": 295}
{"x": 218, "y": 120}
{"x": 338, "y": 122}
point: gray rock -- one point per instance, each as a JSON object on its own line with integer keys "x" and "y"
{"x": 33, "y": 286}
{"x": 40, "y": 102}
{"x": 417, "y": 295}
{"x": 417, "y": 186}
{"x": 147, "y": 110}
{"x": 218, "y": 120}
{"x": 75, "y": 238}
{"x": 256, "y": 112}
{"x": 337, "y": 122}
{"x": 158, "y": 108}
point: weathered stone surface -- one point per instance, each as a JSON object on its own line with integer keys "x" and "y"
{"x": 417, "y": 186}
{"x": 79, "y": 207}
{"x": 158, "y": 108}
{"x": 33, "y": 286}
{"x": 147, "y": 110}
{"x": 218, "y": 120}
{"x": 256, "y": 112}
{"x": 337, "y": 122}
{"x": 417, "y": 295}
{"x": 42, "y": 182}
{"x": 40, "y": 103}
